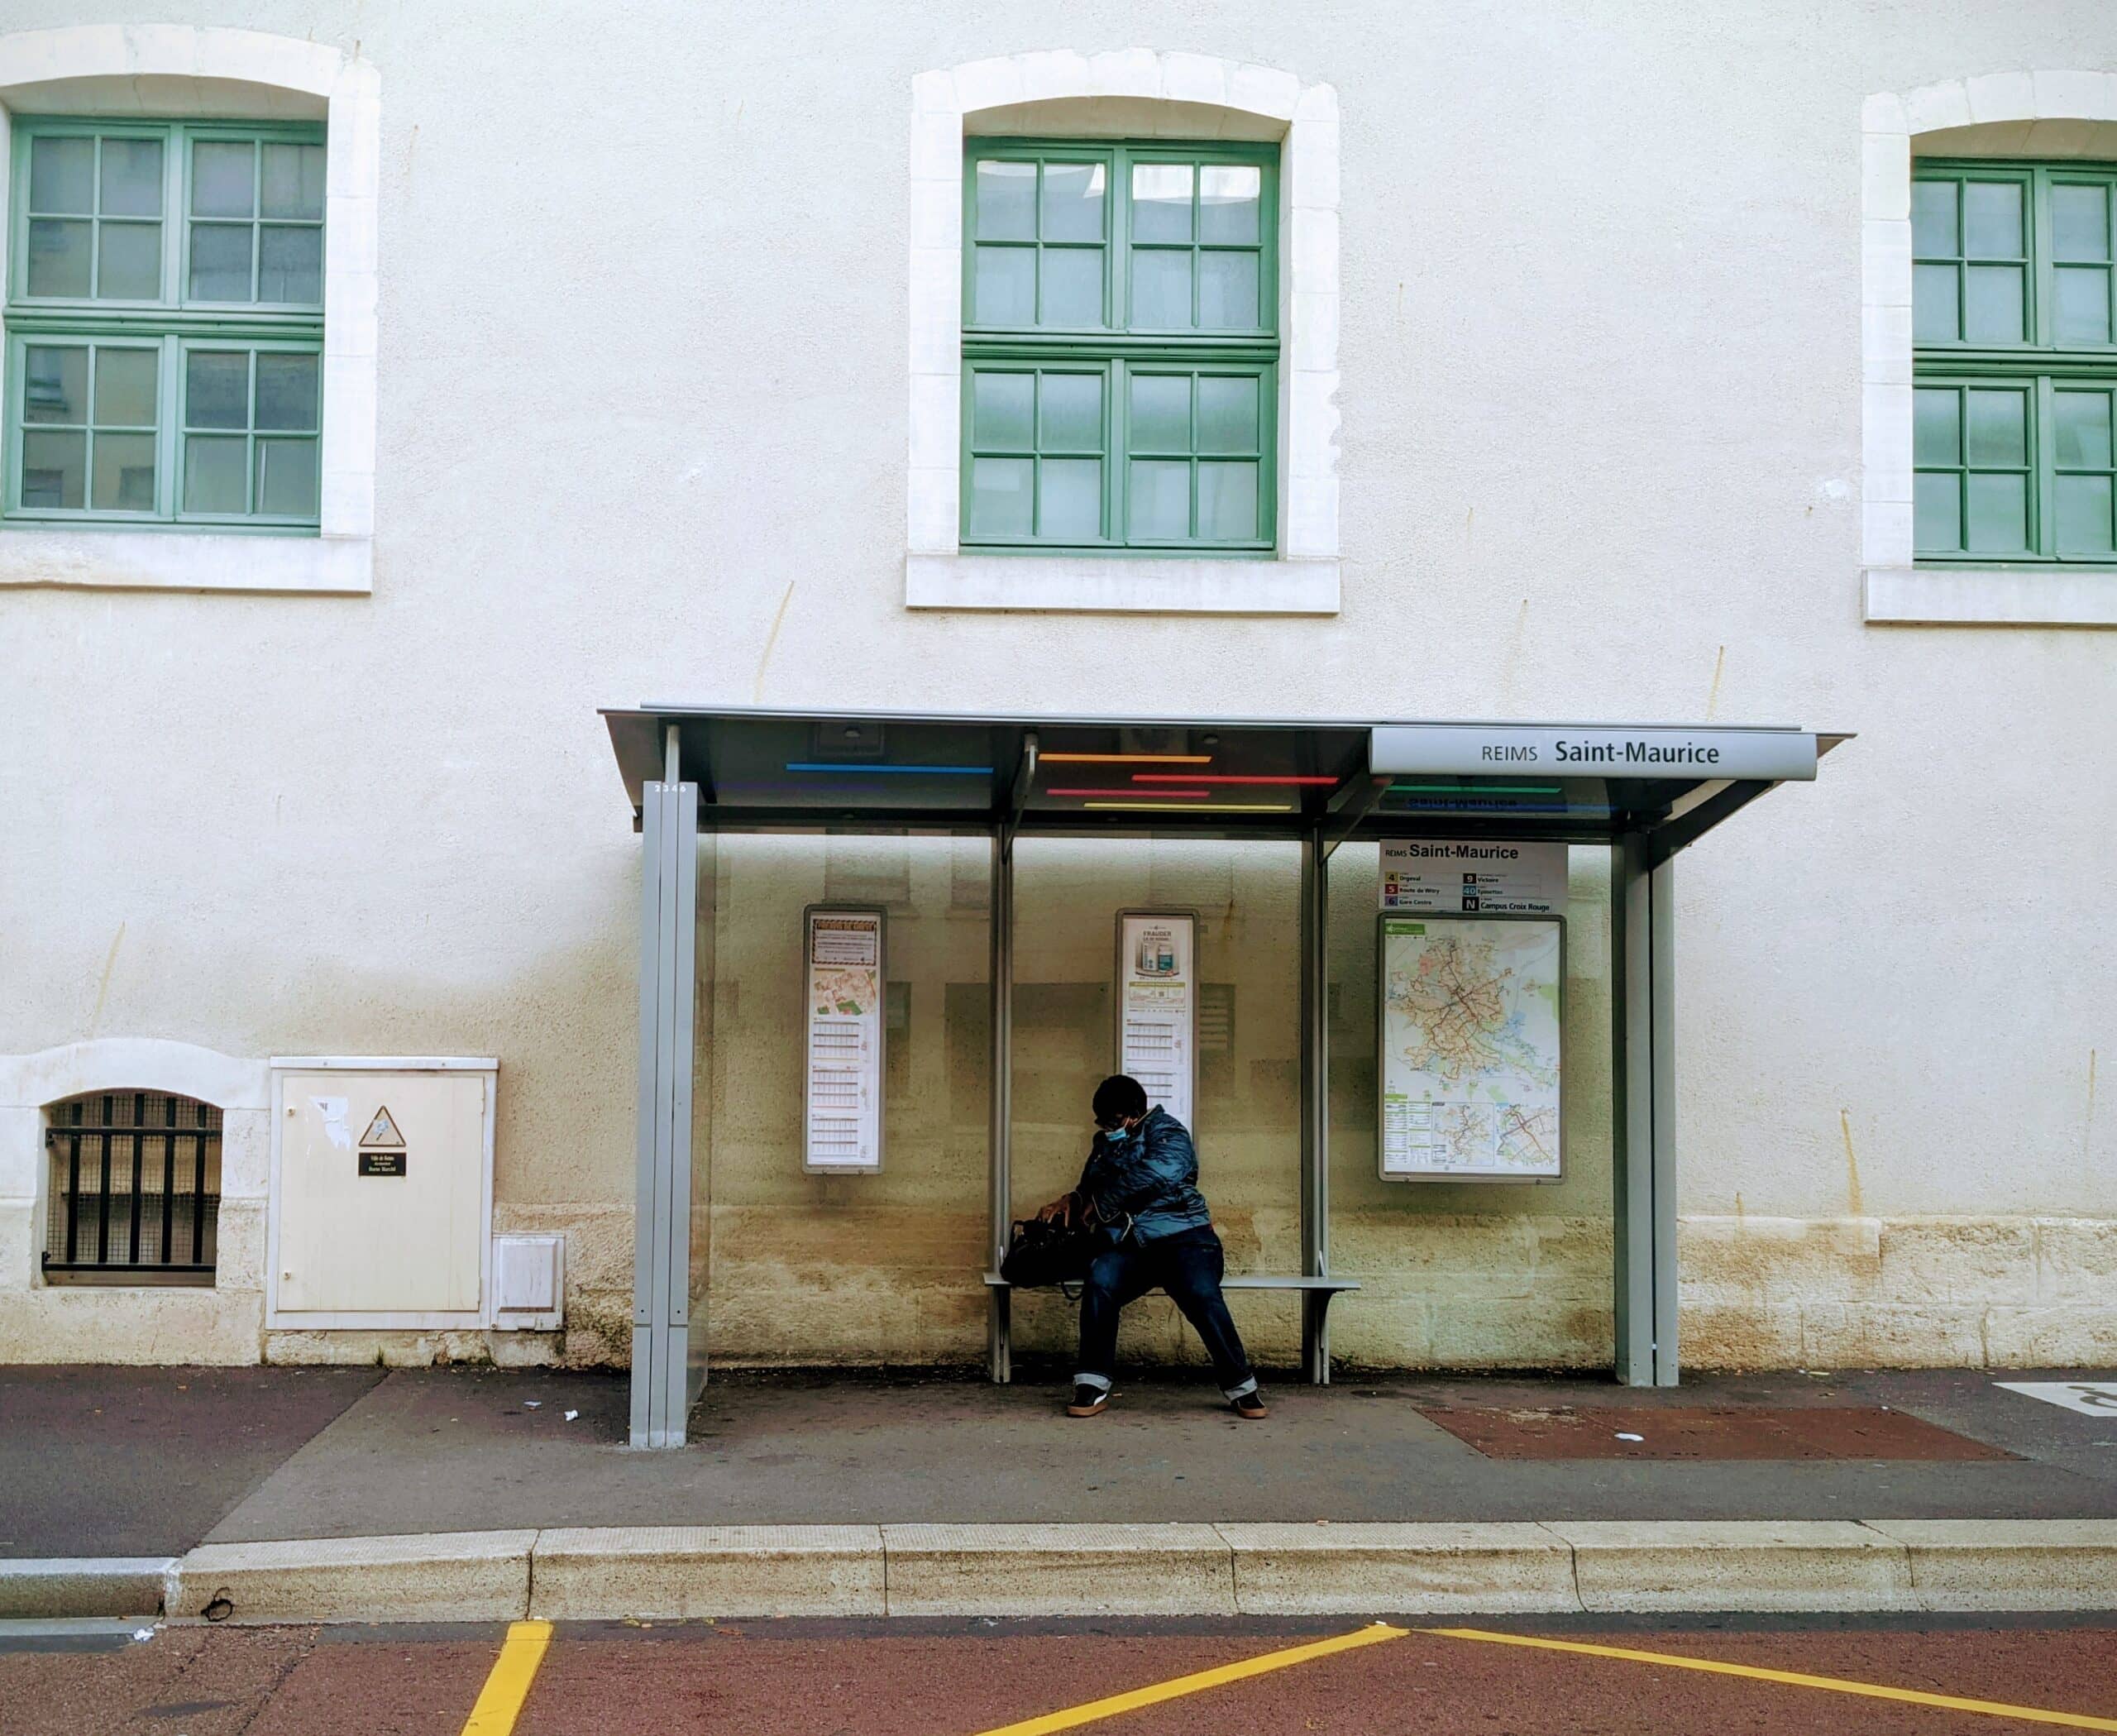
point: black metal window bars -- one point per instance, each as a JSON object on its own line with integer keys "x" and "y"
{"x": 108, "y": 1216}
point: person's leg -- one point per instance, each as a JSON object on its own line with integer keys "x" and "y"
{"x": 1115, "y": 1277}
{"x": 1191, "y": 1264}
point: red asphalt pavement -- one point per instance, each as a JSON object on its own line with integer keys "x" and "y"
{"x": 763, "y": 1679}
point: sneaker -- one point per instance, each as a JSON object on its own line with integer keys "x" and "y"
{"x": 1089, "y": 1401}
{"x": 1250, "y": 1406}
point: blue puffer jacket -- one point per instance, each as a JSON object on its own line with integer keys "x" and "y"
{"x": 1151, "y": 1177}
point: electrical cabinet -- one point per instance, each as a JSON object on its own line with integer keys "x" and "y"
{"x": 382, "y": 1193}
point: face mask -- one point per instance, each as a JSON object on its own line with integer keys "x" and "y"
{"x": 1117, "y": 1136}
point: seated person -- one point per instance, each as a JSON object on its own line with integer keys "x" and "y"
{"x": 1141, "y": 1183}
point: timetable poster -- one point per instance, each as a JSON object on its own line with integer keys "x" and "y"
{"x": 843, "y": 1098}
{"x": 1156, "y": 1006}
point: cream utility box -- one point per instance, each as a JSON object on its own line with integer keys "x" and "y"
{"x": 382, "y": 1193}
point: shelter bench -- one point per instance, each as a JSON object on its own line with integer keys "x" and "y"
{"x": 1316, "y": 1294}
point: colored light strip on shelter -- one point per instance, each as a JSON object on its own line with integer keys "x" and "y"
{"x": 1124, "y": 759}
{"x": 1232, "y": 777}
{"x": 1177, "y": 807}
{"x": 1135, "y": 794}
{"x": 877, "y": 767}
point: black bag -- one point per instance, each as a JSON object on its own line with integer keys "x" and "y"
{"x": 1042, "y": 1254}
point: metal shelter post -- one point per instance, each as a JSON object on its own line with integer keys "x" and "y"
{"x": 1315, "y": 1105}
{"x": 1000, "y": 1175}
{"x": 1643, "y": 1052}
{"x": 668, "y": 930}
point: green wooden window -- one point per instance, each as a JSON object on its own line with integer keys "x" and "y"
{"x": 164, "y": 324}
{"x": 1120, "y": 345}
{"x": 2014, "y": 365}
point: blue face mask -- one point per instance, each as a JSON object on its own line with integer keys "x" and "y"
{"x": 1117, "y": 1136}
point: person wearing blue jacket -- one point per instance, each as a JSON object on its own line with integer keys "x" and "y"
{"x": 1140, "y": 1187}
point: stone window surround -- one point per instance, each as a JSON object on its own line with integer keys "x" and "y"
{"x": 1190, "y": 88}
{"x": 2027, "y": 114}
{"x": 113, "y": 70}
{"x": 241, "y": 1089}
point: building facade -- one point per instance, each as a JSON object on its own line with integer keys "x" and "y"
{"x": 387, "y": 388}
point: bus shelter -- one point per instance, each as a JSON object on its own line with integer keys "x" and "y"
{"x": 1644, "y": 792}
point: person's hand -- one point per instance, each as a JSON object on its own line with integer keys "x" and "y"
{"x": 1061, "y": 1208}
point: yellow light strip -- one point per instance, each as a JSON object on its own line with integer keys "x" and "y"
{"x": 1124, "y": 759}
{"x": 1193, "y": 807}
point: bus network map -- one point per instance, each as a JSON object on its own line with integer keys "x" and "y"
{"x": 1470, "y": 1033}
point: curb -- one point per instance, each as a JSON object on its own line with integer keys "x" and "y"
{"x": 686, "y": 1573}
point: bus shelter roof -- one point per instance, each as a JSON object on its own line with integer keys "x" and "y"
{"x": 876, "y": 771}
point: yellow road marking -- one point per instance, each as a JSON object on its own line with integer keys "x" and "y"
{"x": 1871, "y": 1691}
{"x": 500, "y": 1702}
{"x": 1074, "y": 1716}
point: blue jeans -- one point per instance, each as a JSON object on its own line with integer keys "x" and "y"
{"x": 1188, "y": 1265}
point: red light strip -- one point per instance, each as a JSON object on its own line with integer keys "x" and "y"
{"x": 1277, "y": 783}
{"x": 1198, "y": 794}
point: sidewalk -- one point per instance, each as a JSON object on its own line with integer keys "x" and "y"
{"x": 829, "y": 1492}
{"x": 151, "y": 1462}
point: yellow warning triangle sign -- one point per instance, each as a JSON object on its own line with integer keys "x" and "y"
{"x": 382, "y": 1130}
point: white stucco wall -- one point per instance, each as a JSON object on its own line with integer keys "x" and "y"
{"x": 642, "y": 432}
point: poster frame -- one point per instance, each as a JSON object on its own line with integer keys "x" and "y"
{"x": 1456, "y": 1177}
{"x": 1164, "y": 913}
{"x": 809, "y": 912}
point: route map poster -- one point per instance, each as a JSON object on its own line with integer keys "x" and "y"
{"x": 841, "y": 1094}
{"x": 1468, "y": 1010}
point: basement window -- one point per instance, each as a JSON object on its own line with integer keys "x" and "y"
{"x": 135, "y": 1188}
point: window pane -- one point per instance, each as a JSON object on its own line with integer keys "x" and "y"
{"x": 131, "y": 177}
{"x": 2080, "y": 222}
{"x": 62, "y": 175}
{"x": 2083, "y": 511}
{"x": 2082, "y": 314}
{"x": 125, "y": 473}
{"x": 286, "y": 478}
{"x": 223, "y": 177}
{"x": 1938, "y": 439}
{"x": 286, "y": 391}
{"x": 1161, "y": 413}
{"x": 2081, "y": 420}
{"x": 1227, "y": 502}
{"x": 1161, "y": 288}
{"x": 1991, "y": 220}
{"x": 1228, "y": 202}
{"x": 217, "y": 389}
{"x": 1072, "y": 507}
{"x": 1992, "y": 309}
{"x": 1999, "y": 428}
{"x": 1227, "y": 413}
{"x": 1001, "y": 496}
{"x": 294, "y": 180}
{"x": 1227, "y": 292}
{"x": 1161, "y": 201}
{"x": 1072, "y": 414}
{"x": 1934, "y": 315}
{"x": 1004, "y": 294}
{"x": 1072, "y": 286}
{"x": 220, "y": 262}
{"x": 59, "y": 257}
{"x": 1933, "y": 219}
{"x": 1006, "y": 202}
{"x": 1939, "y": 512}
{"x": 1072, "y": 202}
{"x": 1000, "y": 411}
{"x": 290, "y": 264}
{"x": 1159, "y": 492}
{"x": 56, "y": 383}
{"x": 54, "y": 467}
{"x": 126, "y": 382}
{"x": 213, "y": 474}
{"x": 131, "y": 266}
{"x": 1999, "y": 513}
